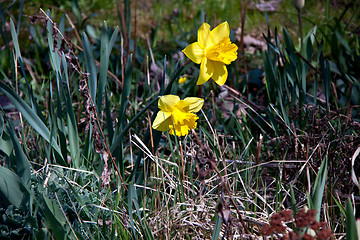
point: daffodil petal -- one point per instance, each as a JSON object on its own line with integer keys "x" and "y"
{"x": 192, "y": 104}
{"x": 206, "y": 71}
{"x": 161, "y": 122}
{"x": 204, "y": 39}
{"x": 220, "y": 73}
{"x": 167, "y": 102}
{"x": 194, "y": 52}
{"x": 220, "y": 32}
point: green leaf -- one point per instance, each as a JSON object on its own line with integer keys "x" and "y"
{"x": 106, "y": 47}
{"x": 351, "y": 232}
{"x": 308, "y": 49}
{"x": 217, "y": 228}
{"x": 55, "y": 218}
{"x": 15, "y": 39}
{"x": 71, "y": 122}
{"x": 319, "y": 186}
{"x": 343, "y": 41}
{"x": 109, "y": 122}
{"x": 104, "y": 63}
{"x": 325, "y": 70}
{"x": 288, "y": 41}
{"x": 293, "y": 199}
{"x": 271, "y": 79}
{"x": 30, "y": 116}
{"x": 6, "y": 144}
{"x": 132, "y": 194}
{"x": 90, "y": 67}
{"x": 341, "y": 207}
{"x": 54, "y": 56}
{"x": 12, "y": 190}
{"x": 126, "y": 90}
{"x": 19, "y": 163}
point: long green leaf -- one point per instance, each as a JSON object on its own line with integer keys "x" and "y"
{"x": 54, "y": 56}
{"x": 21, "y": 163}
{"x": 104, "y": 62}
{"x": 30, "y": 116}
{"x": 12, "y": 190}
{"x": 71, "y": 122}
{"x": 90, "y": 67}
{"x": 55, "y": 218}
{"x": 15, "y": 39}
{"x": 124, "y": 102}
{"x": 131, "y": 195}
{"x": 217, "y": 228}
{"x": 288, "y": 41}
{"x": 22, "y": 70}
{"x": 319, "y": 186}
{"x": 126, "y": 90}
{"x": 109, "y": 122}
{"x": 106, "y": 46}
{"x": 351, "y": 232}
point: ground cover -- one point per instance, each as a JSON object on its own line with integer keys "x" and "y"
{"x": 91, "y": 148}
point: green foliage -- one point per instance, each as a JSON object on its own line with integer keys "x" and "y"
{"x": 351, "y": 228}
{"x": 12, "y": 188}
{"x": 79, "y": 159}
{"x": 318, "y": 190}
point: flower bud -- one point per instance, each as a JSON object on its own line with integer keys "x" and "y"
{"x": 299, "y": 4}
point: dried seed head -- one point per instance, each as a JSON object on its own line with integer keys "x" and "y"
{"x": 286, "y": 215}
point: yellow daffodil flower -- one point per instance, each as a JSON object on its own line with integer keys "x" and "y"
{"x": 177, "y": 115}
{"x": 213, "y": 51}
{"x": 182, "y": 80}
